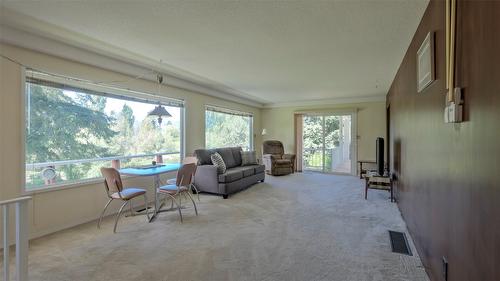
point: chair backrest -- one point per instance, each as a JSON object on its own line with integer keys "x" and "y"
{"x": 112, "y": 180}
{"x": 189, "y": 160}
{"x": 185, "y": 174}
{"x": 273, "y": 147}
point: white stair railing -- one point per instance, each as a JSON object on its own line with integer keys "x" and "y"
{"x": 22, "y": 237}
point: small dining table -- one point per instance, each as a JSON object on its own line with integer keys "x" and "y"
{"x": 154, "y": 171}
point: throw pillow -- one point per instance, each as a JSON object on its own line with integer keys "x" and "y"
{"x": 218, "y": 162}
{"x": 248, "y": 158}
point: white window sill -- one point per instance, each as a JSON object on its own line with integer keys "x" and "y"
{"x": 69, "y": 185}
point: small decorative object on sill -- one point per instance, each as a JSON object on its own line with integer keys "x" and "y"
{"x": 49, "y": 174}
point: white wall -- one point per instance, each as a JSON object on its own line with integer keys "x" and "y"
{"x": 371, "y": 123}
{"x": 55, "y": 210}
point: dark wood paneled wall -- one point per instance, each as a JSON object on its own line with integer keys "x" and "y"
{"x": 448, "y": 185}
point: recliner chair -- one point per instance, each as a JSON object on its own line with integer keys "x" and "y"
{"x": 276, "y": 161}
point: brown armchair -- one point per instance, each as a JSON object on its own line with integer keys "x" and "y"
{"x": 276, "y": 161}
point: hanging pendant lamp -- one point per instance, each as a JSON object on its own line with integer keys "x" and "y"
{"x": 159, "y": 110}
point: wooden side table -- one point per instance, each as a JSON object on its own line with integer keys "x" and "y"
{"x": 361, "y": 162}
{"x": 375, "y": 181}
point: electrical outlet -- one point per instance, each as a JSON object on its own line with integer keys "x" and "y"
{"x": 445, "y": 269}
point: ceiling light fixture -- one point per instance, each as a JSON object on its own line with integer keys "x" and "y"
{"x": 159, "y": 110}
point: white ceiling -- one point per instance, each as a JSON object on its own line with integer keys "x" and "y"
{"x": 267, "y": 51}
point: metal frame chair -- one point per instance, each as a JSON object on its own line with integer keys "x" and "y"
{"x": 189, "y": 160}
{"x": 182, "y": 185}
{"x": 115, "y": 191}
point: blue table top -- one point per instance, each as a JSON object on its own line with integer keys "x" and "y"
{"x": 150, "y": 171}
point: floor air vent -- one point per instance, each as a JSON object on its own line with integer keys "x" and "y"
{"x": 399, "y": 243}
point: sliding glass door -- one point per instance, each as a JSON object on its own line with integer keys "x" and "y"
{"x": 313, "y": 141}
{"x": 328, "y": 143}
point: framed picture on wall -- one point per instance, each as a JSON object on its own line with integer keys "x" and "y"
{"x": 425, "y": 63}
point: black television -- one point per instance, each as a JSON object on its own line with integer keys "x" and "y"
{"x": 380, "y": 156}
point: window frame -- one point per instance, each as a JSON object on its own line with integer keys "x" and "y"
{"x": 219, "y": 109}
{"x": 124, "y": 94}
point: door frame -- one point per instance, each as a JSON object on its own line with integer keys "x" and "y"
{"x": 354, "y": 135}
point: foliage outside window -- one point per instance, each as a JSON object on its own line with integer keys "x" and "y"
{"x": 70, "y": 131}
{"x": 316, "y": 138}
{"x": 225, "y": 128}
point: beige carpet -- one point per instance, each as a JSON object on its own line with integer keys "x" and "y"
{"x": 300, "y": 227}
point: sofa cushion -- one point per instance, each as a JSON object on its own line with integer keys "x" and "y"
{"x": 259, "y": 168}
{"x": 227, "y": 155}
{"x": 237, "y": 155}
{"x": 282, "y": 170}
{"x": 203, "y": 156}
{"x": 219, "y": 163}
{"x": 283, "y": 162}
{"x": 246, "y": 170}
{"x": 231, "y": 175}
{"x": 248, "y": 158}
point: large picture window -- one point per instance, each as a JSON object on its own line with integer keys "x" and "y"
{"x": 224, "y": 127}
{"x": 71, "y": 132}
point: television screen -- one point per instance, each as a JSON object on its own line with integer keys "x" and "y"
{"x": 380, "y": 156}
